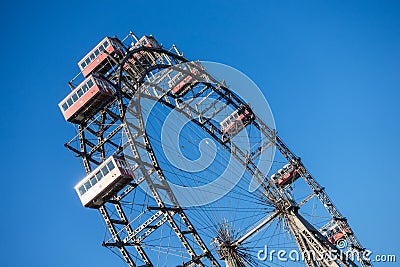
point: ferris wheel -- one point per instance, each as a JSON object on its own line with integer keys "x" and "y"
{"x": 186, "y": 172}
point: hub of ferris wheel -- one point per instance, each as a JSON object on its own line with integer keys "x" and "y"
{"x": 127, "y": 178}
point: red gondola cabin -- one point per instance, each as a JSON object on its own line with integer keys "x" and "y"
{"x": 148, "y": 41}
{"x": 334, "y": 233}
{"x": 141, "y": 57}
{"x": 86, "y": 99}
{"x": 235, "y": 122}
{"x": 104, "y": 182}
{"x": 97, "y": 59}
{"x": 182, "y": 82}
{"x": 285, "y": 176}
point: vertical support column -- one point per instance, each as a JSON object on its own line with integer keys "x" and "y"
{"x": 129, "y": 230}
{"x": 115, "y": 236}
{"x": 100, "y": 136}
{"x": 83, "y": 150}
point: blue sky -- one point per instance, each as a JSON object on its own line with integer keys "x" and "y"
{"x": 329, "y": 69}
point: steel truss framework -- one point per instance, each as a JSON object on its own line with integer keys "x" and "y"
{"x": 119, "y": 128}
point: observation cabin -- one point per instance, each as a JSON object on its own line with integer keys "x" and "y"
{"x": 104, "y": 182}
{"x": 147, "y": 41}
{"x": 334, "y": 233}
{"x": 285, "y": 176}
{"x": 98, "y": 59}
{"x": 141, "y": 57}
{"x": 237, "y": 121}
{"x": 181, "y": 83}
{"x": 86, "y": 99}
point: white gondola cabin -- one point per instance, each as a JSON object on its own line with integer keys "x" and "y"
{"x": 236, "y": 122}
{"x": 148, "y": 41}
{"x": 285, "y": 176}
{"x": 335, "y": 234}
{"x": 142, "y": 57}
{"x": 104, "y": 182}
{"x": 181, "y": 83}
{"x": 86, "y": 99}
{"x": 96, "y": 60}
